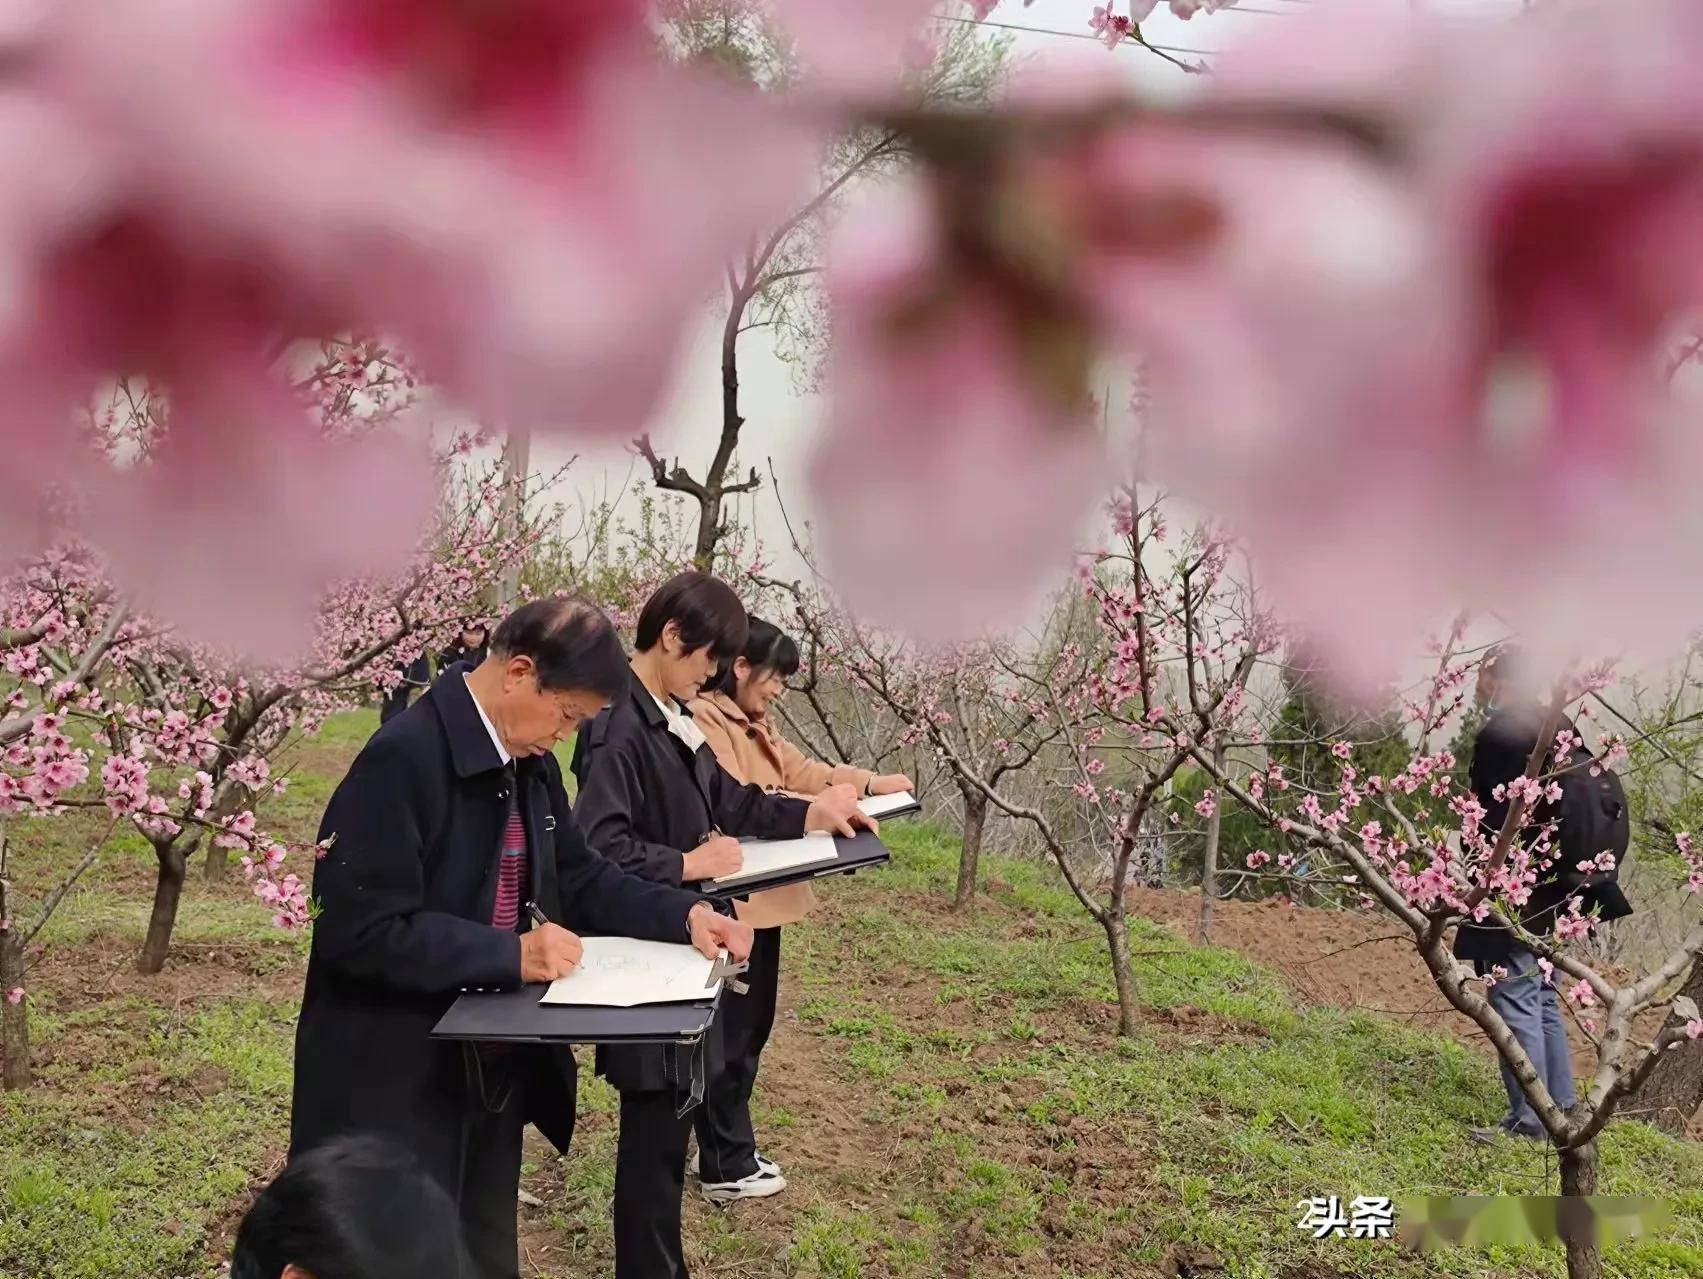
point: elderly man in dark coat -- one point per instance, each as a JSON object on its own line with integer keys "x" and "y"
{"x": 451, "y": 826}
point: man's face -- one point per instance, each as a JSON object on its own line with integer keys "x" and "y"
{"x": 533, "y": 718}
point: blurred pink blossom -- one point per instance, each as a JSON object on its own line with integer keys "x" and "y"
{"x": 186, "y": 188}
{"x": 513, "y": 210}
{"x": 1479, "y": 350}
{"x": 943, "y": 477}
{"x": 858, "y": 50}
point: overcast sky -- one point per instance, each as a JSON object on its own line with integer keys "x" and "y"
{"x": 782, "y": 425}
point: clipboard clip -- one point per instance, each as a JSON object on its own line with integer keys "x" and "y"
{"x": 724, "y": 969}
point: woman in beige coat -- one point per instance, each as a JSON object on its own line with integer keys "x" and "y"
{"x": 732, "y": 714}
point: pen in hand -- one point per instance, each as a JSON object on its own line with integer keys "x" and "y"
{"x": 548, "y": 951}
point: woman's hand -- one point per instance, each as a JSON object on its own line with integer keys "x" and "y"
{"x": 835, "y": 810}
{"x": 889, "y": 784}
{"x": 717, "y": 856}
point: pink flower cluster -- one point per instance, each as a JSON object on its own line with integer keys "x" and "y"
{"x": 282, "y": 891}
{"x": 183, "y": 737}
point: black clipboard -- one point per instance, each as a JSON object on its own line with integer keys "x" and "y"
{"x": 862, "y": 851}
{"x": 516, "y": 1017}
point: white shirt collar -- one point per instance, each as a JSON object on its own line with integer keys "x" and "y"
{"x": 485, "y": 719}
{"x": 680, "y": 725}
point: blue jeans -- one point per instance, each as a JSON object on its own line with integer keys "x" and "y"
{"x": 1532, "y": 1010}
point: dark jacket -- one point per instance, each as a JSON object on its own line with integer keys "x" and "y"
{"x": 405, "y": 897}
{"x": 1500, "y": 753}
{"x": 459, "y": 652}
{"x": 645, "y": 800}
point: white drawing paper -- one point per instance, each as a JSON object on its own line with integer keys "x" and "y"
{"x": 624, "y": 972}
{"x": 879, "y": 806}
{"x": 766, "y": 856}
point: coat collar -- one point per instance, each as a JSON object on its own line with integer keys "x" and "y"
{"x": 649, "y": 711}
{"x": 756, "y": 725}
{"x": 736, "y": 713}
{"x": 471, "y": 750}
{"x": 729, "y": 708}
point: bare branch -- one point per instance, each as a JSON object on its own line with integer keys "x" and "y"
{"x": 676, "y": 480}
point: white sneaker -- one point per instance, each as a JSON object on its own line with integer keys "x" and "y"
{"x": 759, "y": 1185}
{"x": 764, "y": 1164}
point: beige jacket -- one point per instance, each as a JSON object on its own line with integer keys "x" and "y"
{"x": 752, "y": 751}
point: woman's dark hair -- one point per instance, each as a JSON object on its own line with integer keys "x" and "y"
{"x": 355, "y": 1208}
{"x": 705, "y": 609}
{"x": 767, "y": 648}
{"x": 571, "y": 643}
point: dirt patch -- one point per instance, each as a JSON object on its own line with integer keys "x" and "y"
{"x": 1335, "y": 958}
{"x": 1326, "y": 957}
{"x": 858, "y": 1151}
{"x": 102, "y": 972}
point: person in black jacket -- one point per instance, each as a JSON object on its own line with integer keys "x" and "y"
{"x": 654, "y": 800}
{"x": 467, "y": 646}
{"x": 450, "y": 825}
{"x": 415, "y": 676}
{"x": 1523, "y": 997}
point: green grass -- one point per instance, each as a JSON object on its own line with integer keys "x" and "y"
{"x": 1278, "y": 1103}
{"x": 85, "y": 1197}
{"x": 1014, "y": 1132}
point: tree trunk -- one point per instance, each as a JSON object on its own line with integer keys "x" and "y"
{"x": 709, "y": 528}
{"x": 14, "y": 1018}
{"x": 168, "y": 891}
{"x": 1117, "y": 941}
{"x": 1674, "y": 1090}
{"x": 218, "y": 864}
{"x": 1578, "y": 1179}
{"x": 1209, "y": 862}
{"x": 517, "y": 465}
{"x": 970, "y": 848}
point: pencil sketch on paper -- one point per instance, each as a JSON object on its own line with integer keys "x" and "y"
{"x": 624, "y": 972}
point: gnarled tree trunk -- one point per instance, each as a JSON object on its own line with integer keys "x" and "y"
{"x": 217, "y": 864}
{"x": 1209, "y": 861}
{"x": 1123, "y": 974}
{"x": 1674, "y": 1090}
{"x": 14, "y": 1018}
{"x": 1579, "y": 1179}
{"x": 970, "y": 847}
{"x": 168, "y": 892}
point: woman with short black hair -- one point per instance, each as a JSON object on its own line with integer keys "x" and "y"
{"x": 654, "y": 800}
{"x": 733, "y": 716}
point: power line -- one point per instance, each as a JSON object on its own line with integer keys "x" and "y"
{"x": 1073, "y": 35}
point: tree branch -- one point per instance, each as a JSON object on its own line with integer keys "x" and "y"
{"x": 675, "y": 481}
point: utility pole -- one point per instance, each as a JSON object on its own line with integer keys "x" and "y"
{"x": 517, "y": 455}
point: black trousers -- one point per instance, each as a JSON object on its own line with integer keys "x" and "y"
{"x": 727, "y": 1143}
{"x": 650, "y": 1178}
{"x": 490, "y": 1163}
{"x": 394, "y": 704}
